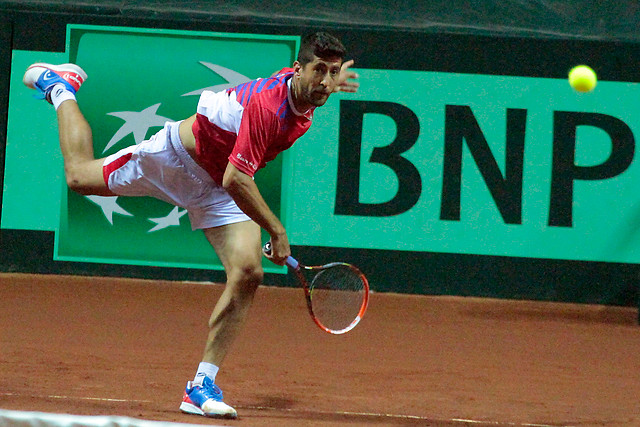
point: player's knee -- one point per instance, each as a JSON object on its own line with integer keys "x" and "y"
{"x": 248, "y": 276}
{"x": 252, "y": 274}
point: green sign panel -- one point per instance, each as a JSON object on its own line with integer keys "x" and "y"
{"x": 138, "y": 80}
{"x": 475, "y": 164}
{"x": 415, "y": 161}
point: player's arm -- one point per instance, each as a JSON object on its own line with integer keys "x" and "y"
{"x": 245, "y": 192}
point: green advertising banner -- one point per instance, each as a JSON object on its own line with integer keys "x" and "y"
{"x": 473, "y": 164}
{"x": 138, "y": 80}
{"x": 415, "y": 161}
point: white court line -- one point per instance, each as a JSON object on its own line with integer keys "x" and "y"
{"x": 348, "y": 413}
{"x": 55, "y": 396}
{"x": 462, "y": 420}
{"x": 400, "y": 416}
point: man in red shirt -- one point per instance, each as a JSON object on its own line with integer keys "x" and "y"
{"x": 206, "y": 165}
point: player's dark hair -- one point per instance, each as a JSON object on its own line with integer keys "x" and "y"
{"x": 321, "y": 44}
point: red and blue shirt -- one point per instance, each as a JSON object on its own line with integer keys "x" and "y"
{"x": 247, "y": 125}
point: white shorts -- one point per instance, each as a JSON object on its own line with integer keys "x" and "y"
{"x": 161, "y": 167}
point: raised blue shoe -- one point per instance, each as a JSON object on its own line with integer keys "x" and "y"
{"x": 43, "y": 77}
{"x": 206, "y": 400}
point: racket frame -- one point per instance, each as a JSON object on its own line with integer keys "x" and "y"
{"x": 297, "y": 268}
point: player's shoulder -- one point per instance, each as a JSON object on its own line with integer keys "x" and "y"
{"x": 283, "y": 72}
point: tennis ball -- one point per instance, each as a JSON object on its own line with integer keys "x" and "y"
{"x": 582, "y": 78}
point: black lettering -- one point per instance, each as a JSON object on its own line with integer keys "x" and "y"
{"x": 565, "y": 171}
{"x": 461, "y": 125}
{"x": 348, "y": 184}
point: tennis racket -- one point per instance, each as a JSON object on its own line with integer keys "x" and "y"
{"x": 337, "y": 293}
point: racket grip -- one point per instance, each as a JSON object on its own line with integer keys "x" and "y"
{"x": 290, "y": 261}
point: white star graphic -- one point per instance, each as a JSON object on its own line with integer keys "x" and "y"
{"x": 109, "y": 206}
{"x": 172, "y": 219}
{"x": 137, "y": 123}
{"x": 232, "y": 77}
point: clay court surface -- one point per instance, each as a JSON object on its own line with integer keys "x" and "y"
{"x": 105, "y": 346}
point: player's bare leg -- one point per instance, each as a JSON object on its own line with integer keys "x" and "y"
{"x": 58, "y": 85}
{"x": 82, "y": 170}
{"x": 238, "y": 247}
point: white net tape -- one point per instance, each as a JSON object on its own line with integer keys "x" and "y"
{"x": 41, "y": 419}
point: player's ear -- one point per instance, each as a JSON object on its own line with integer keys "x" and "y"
{"x": 297, "y": 68}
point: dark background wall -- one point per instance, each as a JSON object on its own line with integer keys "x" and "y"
{"x": 566, "y": 19}
{"x": 536, "y": 38}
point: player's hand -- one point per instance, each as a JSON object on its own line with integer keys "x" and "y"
{"x": 346, "y": 80}
{"x": 277, "y": 249}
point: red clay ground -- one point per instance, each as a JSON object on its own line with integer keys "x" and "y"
{"x": 104, "y": 346}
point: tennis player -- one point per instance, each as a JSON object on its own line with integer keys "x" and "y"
{"x": 206, "y": 164}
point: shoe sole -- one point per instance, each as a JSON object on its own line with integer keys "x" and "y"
{"x": 32, "y": 74}
{"x": 188, "y": 408}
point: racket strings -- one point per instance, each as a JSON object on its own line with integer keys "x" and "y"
{"x": 337, "y": 295}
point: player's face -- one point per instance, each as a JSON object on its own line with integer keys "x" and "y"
{"x": 317, "y": 80}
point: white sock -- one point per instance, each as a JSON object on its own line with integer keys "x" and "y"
{"x": 205, "y": 369}
{"x": 59, "y": 93}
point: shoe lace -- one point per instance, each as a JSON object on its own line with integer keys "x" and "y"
{"x": 211, "y": 391}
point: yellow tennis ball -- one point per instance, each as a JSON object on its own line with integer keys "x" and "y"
{"x": 582, "y": 78}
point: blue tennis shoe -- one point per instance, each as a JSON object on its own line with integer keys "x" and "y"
{"x": 206, "y": 400}
{"x": 43, "y": 77}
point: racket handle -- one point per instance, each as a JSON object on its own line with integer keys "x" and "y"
{"x": 290, "y": 261}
